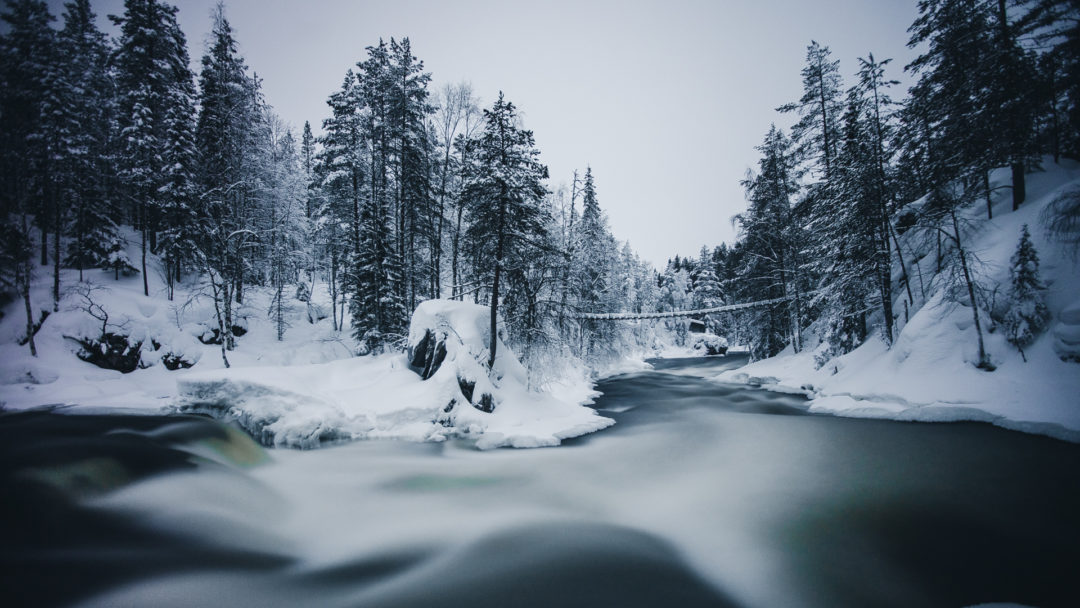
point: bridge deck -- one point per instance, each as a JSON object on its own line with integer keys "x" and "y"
{"x": 674, "y": 314}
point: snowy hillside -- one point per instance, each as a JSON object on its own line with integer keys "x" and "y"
{"x": 56, "y": 376}
{"x": 930, "y": 372}
{"x": 300, "y": 392}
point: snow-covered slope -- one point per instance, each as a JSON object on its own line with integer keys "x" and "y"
{"x": 56, "y": 376}
{"x": 929, "y": 373}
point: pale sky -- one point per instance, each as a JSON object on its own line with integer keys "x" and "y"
{"x": 665, "y": 100}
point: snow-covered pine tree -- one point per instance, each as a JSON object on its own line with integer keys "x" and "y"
{"x": 85, "y": 52}
{"x": 1011, "y": 98}
{"x": 1027, "y": 315}
{"x": 379, "y": 316}
{"x": 950, "y": 127}
{"x": 853, "y": 256}
{"x": 117, "y": 259}
{"x": 340, "y": 178}
{"x": 817, "y": 133}
{"x": 24, "y": 70}
{"x": 1055, "y": 25}
{"x": 229, "y": 113}
{"x": 504, "y": 200}
{"x": 177, "y": 223}
{"x": 675, "y": 293}
{"x": 594, "y": 254}
{"x": 772, "y": 241}
{"x": 408, "y": 109}
{"x": 150, "y": 49}
{"x": 287, "y": 227}
{"x": 960, "y": 96}
{"x": 707, "y": 292}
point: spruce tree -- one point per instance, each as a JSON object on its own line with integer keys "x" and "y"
{"x": 594, "y": 254}
{"x": 229, "y": 112}
{"x": 153, "y": 109}
{"x": 772, "y": 241}
{"x": 85, "y": 51}
{"x": 178, "y": 221}
{"x": 817, "y": 132}
{"x": 504, "y": 200}
{"x": 1027, "y": 315}
{"x": 406, "y": 98}
{"x": 25, "y": 52}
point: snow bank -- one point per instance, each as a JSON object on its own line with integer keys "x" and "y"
{"x": 441, "y": 390}
{"x": 929, "y": 373}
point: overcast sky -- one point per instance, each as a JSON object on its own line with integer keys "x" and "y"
{"x": 665, "y": 100}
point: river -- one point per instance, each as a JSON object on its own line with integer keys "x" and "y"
{"x": 702, "y": 494}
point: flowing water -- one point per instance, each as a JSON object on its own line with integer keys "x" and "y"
{"x": 702, "y": 494}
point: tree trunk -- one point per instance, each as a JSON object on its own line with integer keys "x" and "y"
{"x": 495, "y": 307}
{"x": 217, "y": 310}
{"x": 145, "y": 279}
{"x": 824, "y": 125}
{"x": 80, "y": 237}
{"x": 280, "y": 313}
{"x": 29, "y": 309}
{"x": 986, "y": 189}
{"x": 333, "y": 288}
{"x": 56, "y": 258}
{"x": 227, "y": 339}
{"x": 495, "y": 287}
{"x": 1019, "y": 189}
{"x": 984, "y": 361}
{"x": 885, "y": 282}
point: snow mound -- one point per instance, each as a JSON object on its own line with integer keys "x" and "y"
{"x": 442, "y": 389}
{"x": 1067, "y": 333}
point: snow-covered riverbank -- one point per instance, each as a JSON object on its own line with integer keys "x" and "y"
{"x": 301, "y": 391}
{"x": 929, "y": 373}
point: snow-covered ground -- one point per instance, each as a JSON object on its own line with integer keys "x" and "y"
{"x": 304, "y": 390}
{"x": 383, "y": 397}
{"x": 929, "y": 374}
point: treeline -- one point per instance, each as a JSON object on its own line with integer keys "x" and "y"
{"x": 998, "y": 85}
{"x": 409, "y": 194}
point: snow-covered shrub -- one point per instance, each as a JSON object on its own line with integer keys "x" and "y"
{"x": 1027, "y": 313}
{"x": 110, "y": 351}
{"x": 208, "y": 333}
{"x": 117, "y": 260}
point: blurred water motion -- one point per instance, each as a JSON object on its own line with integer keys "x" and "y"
{"x": 703, "y": 494}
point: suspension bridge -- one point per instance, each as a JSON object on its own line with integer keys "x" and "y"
{"x": 676, "y": 314}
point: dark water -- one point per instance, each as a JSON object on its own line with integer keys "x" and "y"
{"x": 703, "y": 494}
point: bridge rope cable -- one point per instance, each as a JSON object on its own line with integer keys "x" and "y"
{"x": 674, "y": 314}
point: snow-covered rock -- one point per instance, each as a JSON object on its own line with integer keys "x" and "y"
{"x": 450, "y": 341}
{"x": 420, "y": 397}
{"x": 710, "y": 344}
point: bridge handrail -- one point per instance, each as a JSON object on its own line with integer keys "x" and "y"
{"x": 674, "y": 314}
